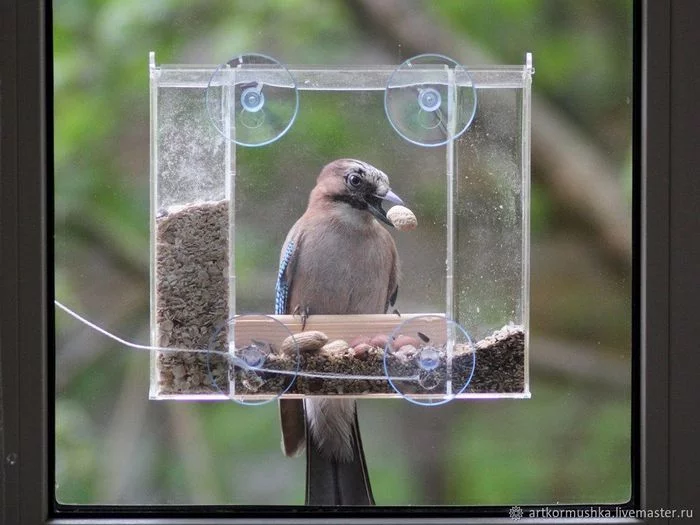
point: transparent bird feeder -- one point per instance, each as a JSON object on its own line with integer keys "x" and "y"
{"x": 235, "y": 151}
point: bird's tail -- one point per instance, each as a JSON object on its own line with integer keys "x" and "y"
{"x": 331, "y": 480}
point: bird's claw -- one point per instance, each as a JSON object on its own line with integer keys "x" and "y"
{"x": 303, "y": 313}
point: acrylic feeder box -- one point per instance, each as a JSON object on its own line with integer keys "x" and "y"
{"x": 235, "y": 151}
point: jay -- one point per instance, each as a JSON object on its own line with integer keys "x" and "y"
{"x": 336, "y": 259}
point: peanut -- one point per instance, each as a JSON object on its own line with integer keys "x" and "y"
{"x": 402, "y": 218}
{"x": 335, "y": 347}
{"x": 306, "y": 341}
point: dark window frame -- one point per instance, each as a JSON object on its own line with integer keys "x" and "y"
{"x": 666, "y": 238}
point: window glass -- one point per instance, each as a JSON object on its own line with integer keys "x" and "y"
{"x": 569, "y": 443}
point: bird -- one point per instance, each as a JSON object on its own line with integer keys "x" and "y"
{"x": 336, "y": 259}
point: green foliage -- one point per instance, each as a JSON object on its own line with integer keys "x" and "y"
{"x": 514, "y": 466}
{"x": 582, "y": 50}
{"x": 76, "y": 463}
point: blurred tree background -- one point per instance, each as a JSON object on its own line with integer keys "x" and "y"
{"x": 569, "y": 444}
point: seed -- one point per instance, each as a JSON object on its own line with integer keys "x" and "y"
{"x": 190, "y": 301}
{"x": 361, "y": 351}
{"x": 360, "y": 339}
{"x": 179, "y": 371}
{"x": 406, "y": 352}
{"x": 404, "y": 340}
{"x": 379, "y": 340}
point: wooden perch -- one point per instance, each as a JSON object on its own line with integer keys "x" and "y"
{"x": 345, "y": 327}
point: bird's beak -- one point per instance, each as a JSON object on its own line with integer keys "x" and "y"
{"x": 392, "y": 197}
{"x": 375, "y": 205}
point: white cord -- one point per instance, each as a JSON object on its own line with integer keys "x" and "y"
{"x": 123, "y": 341}
{"x": 236, "y": 361}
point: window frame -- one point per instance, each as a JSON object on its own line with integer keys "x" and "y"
{"x": 666, "y": 240}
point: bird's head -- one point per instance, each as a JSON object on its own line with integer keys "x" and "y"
{"x": 349, "y": 182}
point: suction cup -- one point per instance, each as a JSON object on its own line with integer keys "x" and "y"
{"x": 252, "y": 100}
{"x": 430, "y": 100}
{"x": 265, "y": 359}
{"x": 429, "y": 360}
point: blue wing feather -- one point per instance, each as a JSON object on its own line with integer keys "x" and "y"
{"x": 282, "y": 286}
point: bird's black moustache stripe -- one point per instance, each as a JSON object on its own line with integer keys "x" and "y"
{"x": 355, "y": 202}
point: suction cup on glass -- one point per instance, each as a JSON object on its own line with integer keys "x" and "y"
{"x": 265, "y": 359}
{"x": 429, "y": 360}
{"x": 430, "y": 100}
{"x": 252, "y": 100}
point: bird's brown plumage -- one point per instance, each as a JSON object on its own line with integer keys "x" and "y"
{"x": 344, "y": 262}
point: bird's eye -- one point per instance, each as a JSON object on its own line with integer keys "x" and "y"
{"x": 355, "y": 180}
